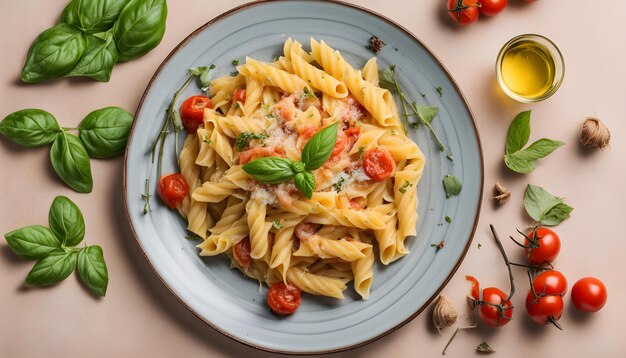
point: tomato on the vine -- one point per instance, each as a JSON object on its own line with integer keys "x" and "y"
{"x": 589, "y": 294}
{"x": 173, "y": 189}
{"x": 494, "y": 307}
{"x": 192, "y": 112}
{"x": 542, "y": 246}
{"x": 463, "y": 12}
{"x": 550, "y": 282}
{"x": 544, "y": 309}
{"x": 492, "y": 7}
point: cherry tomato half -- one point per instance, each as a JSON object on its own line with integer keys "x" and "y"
{"x": 491, "y": 315}
{"x": 544, "y": 309}
{"x": 239, "y": 95}
{"x": 463, "y": 12}
{"x": 340, "y": 144}
{"x": 589, "y": 294}
{"x": 378, "y": 164}
{"x": 492, "y": 7}
{"x": 173, "y": 189}
{"x": 550, "y": 282}
{"x": 545, "y": 246}
{"x": 241, "y": 252}
{"x": 192, "y": 112}
{"x": 283, "y": 298}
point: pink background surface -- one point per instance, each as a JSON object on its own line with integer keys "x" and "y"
{"x": 139, "y": 316}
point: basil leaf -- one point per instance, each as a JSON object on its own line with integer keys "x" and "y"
{"x": 519, "y": 164}
{"x": 66, "y": 221}
{"x": 518, "y": 133}
{"x": 319, "y": 148}
{"x": 53, "y": 53}
{"x": 427, "y": 113}
{"x": 524, "y": 161}
{"x": 52, "y": 269}
{"x": 98, "y": 59}
{"x": 305, "y": 182}
{"x": 484, "y": 348}
{"x": 271, "y": 170}
{"x": 104, "y": 132}
{"x": 385, "y": 79}
{"x": 32, "y": 242}
{"x": 93, "y": 269}
{"x": 92, "y": 15}
{"x": 544, "y": 207}
{"x": 451, "y": 185}
{"x": 140, "y": 27}
{"x": 30, "y": 127}
{"x": 71, "y": 162}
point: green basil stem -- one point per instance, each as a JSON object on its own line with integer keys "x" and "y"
{"x": 430, "y": 127}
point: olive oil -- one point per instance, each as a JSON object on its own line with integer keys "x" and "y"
{"x": 528, "y": 69}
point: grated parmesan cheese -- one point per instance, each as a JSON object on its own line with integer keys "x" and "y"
{"x": 263, "y": 195}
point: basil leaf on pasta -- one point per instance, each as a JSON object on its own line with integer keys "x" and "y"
{"x": 93, "y": 269}
{"x": 52, "y": 269}
{"x": 66, "y": 221}
{"x": 32, "y": 242}
{"x": 319, "y": 148}
{"x": 305, "y": 182}
{"x": 271, "y": 170}
{"x": 30, "y": 127}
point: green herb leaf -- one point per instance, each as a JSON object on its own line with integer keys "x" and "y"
{"x": 451, "y": 185}
{"x": 52, "y": 269}
{"x": 192, "y": 237}
{"x": 319, "y": 148}
{"x": 98, "y": 59}
{"x": 94, "y": 15}
{"x": 545, "y": 208}
{"x": 139, "y": 28}
{"x": 66, "y": 221}
{"x": 93, "y": 269}
{"x": 197, "y": 71}
{"x": 385, "y": 79}
{"x": 276, "y": 224}
{"x": 308, "y": 93}
{"x": 439, "y": 91}
{"x": 305, "y": 182}
{"x": 427, "y": 113}
{"x": 32, "y": 242}
{"x": 53, "y": 53}
{"x": 448, "y": 219}
{"x": 518, "y": 133}
{"x": 484, "y": 348}
{"x": 235, "y": 62}
{"x": 104, "y": 132}
{"x": 338, "y": 186}
{"x": 405, "y": 186}
{"x": 271, "y": 170}
{"x": 71, "y": 162}
{"x": 30, "y": 127}
{"x": 243, "y": 140}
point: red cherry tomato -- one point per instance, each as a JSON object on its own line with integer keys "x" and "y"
{"x": 491, "y": 315}
{"x": 239, "y": 95}
{"x": 550, "y": 282}
{"x": 492, "y": 7}
{"x": 192, "y": 112}
{"x": 589, "y": 294}
{"x": 475, "y": 290}
{"x": 340, "y": 144}
{"x": 173, "y": 189}
{"x": 544, "y": 309}
{"x": 545, "y": 246}
{"x": 260, "y": 152}
{"x": 283, "y": 298}
{"x": 241, "y": 252}
{"x": 378, "y": 164}
{"x": 463, "y": 12}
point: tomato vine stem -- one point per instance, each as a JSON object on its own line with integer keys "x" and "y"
{"x": 506, "y": 261}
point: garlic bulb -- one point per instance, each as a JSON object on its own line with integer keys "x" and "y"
{"x": 444, "y": 314}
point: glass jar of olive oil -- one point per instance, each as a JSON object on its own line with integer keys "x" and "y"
{"x": 530, "y": 68}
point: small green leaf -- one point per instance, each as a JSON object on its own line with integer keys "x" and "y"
{"x": 71, "y": 162}
{"x": 448, "y": 219}
{"x": 243, "y": 140}
{"x": 524, "y": 161}
{"x": 518, "y": 133}
{"x": 30, "y": 127}
{"x": 427, "y": 113}
{"x": 319, "y": 148}
{"x": 544, "y": 207}
{"x": 66, "y": 221}
{"x": 556, "y": 214}
{"x": 484, "y": 348}
{"x": 385, "y": 78}
{"x": 104, "y": 132}
{"x": 32, "y": 242}
{"x": 305, "y": 182}
{"x": 93, "y": 269}
{"x": 52, "y": 269}
{"x": 271, "y": 170}
{"x": 451, "y": 185}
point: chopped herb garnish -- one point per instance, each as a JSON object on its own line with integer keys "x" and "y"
{"x": 244, "y": 139}
{"x": 361, "y": 152}
{"x": 234, "y": 73}
{"x": 423, "y": 94}
{"x": 192, "y": 237}
{"x": 479, "y": 246}
{"x": 451, "y": 185}
{"x": 339, "y": 184}
{"x": 375, "y": 44}
{"x": 276, "y": 224}
{"x": 308, "y": 93}
{"x": 439, "y": 91}
{"x": 394, "y": 132}
{"x": 449, "y": 155}
{"x": 438, "y": 246}
{"x": 484, "y": 348}
{"x": 405, "y": 186}
{"x": 448, "y": 219}
{"x": 275, "y": 58}
{"x": 414, "y": 124}
{"x": 236, "y": 105}
{"x": 235, "y": 62}
{"x": 206, "y": 140}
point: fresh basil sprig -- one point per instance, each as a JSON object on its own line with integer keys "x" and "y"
{"x": 92, "y": 16}
{"x": 544, "y": 207}
{"x": 102, "y": 134}
{"x": 55, "y": 251}
{"x": 275, "y": 170}
{"x": 139, "y": 28}
{"x": 520, "y": 159}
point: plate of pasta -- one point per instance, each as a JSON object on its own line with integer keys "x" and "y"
{"x": 297, "y": 202}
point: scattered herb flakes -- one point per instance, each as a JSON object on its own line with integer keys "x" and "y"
{"x": 234, "y": 73}
{"x": 235, "y": 62}
{"x": 439, "y": 91}
{"x": 438, "y": 246}
{"x": 361, "y": 152}
{"x": 192, "y": 237}
{"x": 275, "y": 58}
{"x": 206, "y": 140}
{"x": 375, "y": 44}
{"x": 479, "y": 246}
{"x": 423, "y": 94}
{"x": 414, "y": 124}
{"x": 339, "y": 184}
{"x": 244, "y": 139}
{"x": 449, "y": 155}
{"x": 484, "y": 348}
{"x": 448, "y": 219}
{"x": 308, "y": 93}
{"x": 276, "y": 224}
{"x": 451, "y": 185}
{"x": 405, "y": 186}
